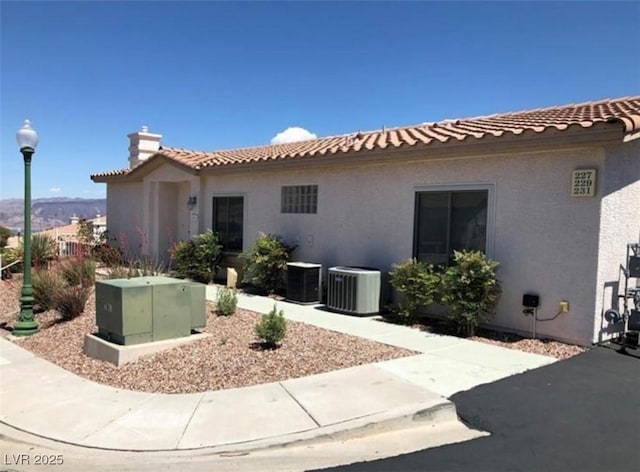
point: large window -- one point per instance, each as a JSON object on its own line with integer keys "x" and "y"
{"x": 449, "y": 220}
{"x": 228, "y": 221}
{"x": 299, "y": 199}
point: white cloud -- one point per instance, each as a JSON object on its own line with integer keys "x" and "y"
{"x": 55, "y": 190}
{"x": 292, "y": 134}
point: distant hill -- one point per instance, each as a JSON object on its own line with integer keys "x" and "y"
{"x": 49, "y": 212}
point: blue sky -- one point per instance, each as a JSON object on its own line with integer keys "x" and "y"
{"x": 216, "y": 75}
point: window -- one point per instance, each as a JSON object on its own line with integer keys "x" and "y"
{"x": 299, "y": 199}
{"x": 228, "y": 221}
{"x": 449, "y": 220}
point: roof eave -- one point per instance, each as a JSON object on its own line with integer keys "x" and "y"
{"x": 576, "y": 136}
{"x": 154, "y": 162}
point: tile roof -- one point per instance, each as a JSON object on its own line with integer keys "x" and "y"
{"x": 625, "y": 111}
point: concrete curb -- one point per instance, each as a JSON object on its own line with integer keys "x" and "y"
{"x": 405, "y": 417}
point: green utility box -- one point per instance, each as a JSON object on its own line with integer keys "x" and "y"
{"x": 145, "y": 309}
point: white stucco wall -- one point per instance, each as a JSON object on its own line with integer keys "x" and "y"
{"x": 124, "y": 216}
{"x": 546, "y": 241}
{"x": 619, "y": 225}
{"x": 169, "y": 188}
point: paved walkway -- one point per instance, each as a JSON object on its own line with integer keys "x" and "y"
{"x": 581, "y": 414}
{"x": 43, "y": 399}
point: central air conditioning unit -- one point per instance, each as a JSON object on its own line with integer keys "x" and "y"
{"x": 303, "y": 282}
{"x": 353, "y": 290}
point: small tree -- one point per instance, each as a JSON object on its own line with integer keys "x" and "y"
{"x": 471, "y": 291}
{"x": 272, "y": 328}
{"x": 85, "y": 232}
{"x": 266, "y": 262}
{"x": 417, "y": 284}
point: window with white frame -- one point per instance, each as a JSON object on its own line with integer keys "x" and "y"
{"x": 299, "y": 199}
{"x": 450, "y": 220}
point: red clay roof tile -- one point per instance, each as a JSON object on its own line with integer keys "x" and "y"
{"x": 622, "y": 110}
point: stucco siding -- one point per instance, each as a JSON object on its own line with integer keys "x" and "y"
{"x": 170, "y": 216}
{"x": 545, "y": 241}
{"x": 619, "y": 225}
{"x": 125, "y": 216}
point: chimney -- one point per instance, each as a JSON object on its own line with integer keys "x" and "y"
{"x": 142, "y": 145}
{"x": 74, "y": 219}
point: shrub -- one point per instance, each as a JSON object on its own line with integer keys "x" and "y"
{"x": 226, "y": 302}
{"x": 120, "y": 272}
{"x": 46, "y": 283}
{"x": 9, "y": 256}
{"x": 272, "y": 328}
{"x": 43, "y": 250}
{"x": 5, "y": 234}
{"x": 107, "y": 255}
{"x": 197, "y": 259}
{"x": 70, "y": 301}
{"x": 78, "y": 271}
{"x": 145, "y": 267}
{"x": 266, "y": 262}
{"x": 470, "y": 290}
{"x": 418, "y": 285}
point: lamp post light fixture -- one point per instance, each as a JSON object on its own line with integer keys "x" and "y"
{"x": 192, "y": 201}
{"x": 26, "y": 325}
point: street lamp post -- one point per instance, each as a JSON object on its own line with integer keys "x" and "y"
{"x": 26, "y": 325}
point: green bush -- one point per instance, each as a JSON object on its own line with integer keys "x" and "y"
{"x": 5, "y": 234}
{"x": 70, "y": 301}
{"x": 43, "y": 250}
{"x": 470, "y": 290}
{"x": 272, "y": 328}
{"x": 46, "y": 283}
{"x": 226, "y": 302}
{"x": 418, "y": 286}
{"x": 266, "y": 262}
{"x": 78, "y": 271}
{"x": 9, "y": 256}
{"x": 197, "y": 259}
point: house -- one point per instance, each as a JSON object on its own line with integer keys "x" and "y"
{"x": 552, "y": 194}
{"x": 67, "y": 235}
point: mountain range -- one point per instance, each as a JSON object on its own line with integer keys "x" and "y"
{"x": 49, "y": 212}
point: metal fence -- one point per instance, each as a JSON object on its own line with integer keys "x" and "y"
{"x": 73, "y": 248}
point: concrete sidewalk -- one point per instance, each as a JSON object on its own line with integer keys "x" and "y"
{"x": 43, "y": 399}
{"x": 447, "y": 364}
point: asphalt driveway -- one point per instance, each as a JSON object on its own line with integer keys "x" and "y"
{"x": 582, "y": 414}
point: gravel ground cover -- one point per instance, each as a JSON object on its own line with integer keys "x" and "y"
{"x": 544, "y": 347}
{"x": 230, "y": 357}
